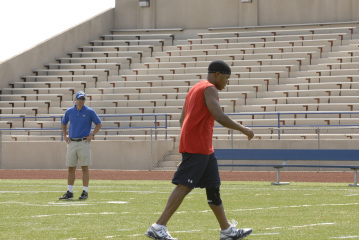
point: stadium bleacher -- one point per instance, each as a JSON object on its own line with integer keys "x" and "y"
{"x": 279, "y": 69}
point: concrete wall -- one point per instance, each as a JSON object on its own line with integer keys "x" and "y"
{"x": 58, "y": 46}
{"x": 199, "y": 14}
{"x": 124, "y": 155}
{"x": 133, "y": 155}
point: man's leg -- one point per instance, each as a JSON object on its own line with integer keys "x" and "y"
{"x": 220, "y": 215}
{"x": 215, "y": 203}
{"x": 71, "y": 176}
{"x": 228, "y": 231}
{"x": 174, "y": 201}
{"x": 70, "y": 184}
{"x": 85, "y": 176}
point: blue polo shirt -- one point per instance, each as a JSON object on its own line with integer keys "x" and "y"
{"x": 80, "y": 121}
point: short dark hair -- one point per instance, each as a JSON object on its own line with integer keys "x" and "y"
{"x": 219, "y": 66}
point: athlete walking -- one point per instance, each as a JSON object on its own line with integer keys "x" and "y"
{"x": 199, "y": 166}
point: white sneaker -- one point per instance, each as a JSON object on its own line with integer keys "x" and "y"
{"x": 161, "y": 234}
{"x": 235, "y": 233}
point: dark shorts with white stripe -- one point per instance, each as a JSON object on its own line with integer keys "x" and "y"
{"x": 197, "y": 170}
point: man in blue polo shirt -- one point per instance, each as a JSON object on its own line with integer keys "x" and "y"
{"x": 78, "y": 141}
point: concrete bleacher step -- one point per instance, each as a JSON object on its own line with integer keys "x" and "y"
{"x": 116, "y": 66}
{"x": 56, "y": 84}
{"x": 124, "y": 60}
{"x": 113, "y": 54}
{"x": 278, "y": 31}
{"x": 161, "y": 57}
{"x": 338, "y": 59}
{"x": 319, "y": 72}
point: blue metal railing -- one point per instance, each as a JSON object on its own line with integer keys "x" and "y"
{"x": 280, "y": 125}
{"x": 155, "y": 126}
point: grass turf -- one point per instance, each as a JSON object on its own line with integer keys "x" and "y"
{"x": 30, "y": 209}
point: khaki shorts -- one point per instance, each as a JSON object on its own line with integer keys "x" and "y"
{"x": 78, "y": 152}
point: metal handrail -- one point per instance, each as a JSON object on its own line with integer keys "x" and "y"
{"x": 155, "y": 115}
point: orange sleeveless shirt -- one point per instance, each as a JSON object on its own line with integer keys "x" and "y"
{"x": 197, "y": 127}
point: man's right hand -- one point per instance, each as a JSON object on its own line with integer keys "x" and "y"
{"x": 67, "y": 139}
{"x": 247, "y": 131}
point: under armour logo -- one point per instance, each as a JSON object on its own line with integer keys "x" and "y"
{"x": 190, "y": 181}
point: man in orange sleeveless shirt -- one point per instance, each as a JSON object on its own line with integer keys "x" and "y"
{"x": 199, "y": 166}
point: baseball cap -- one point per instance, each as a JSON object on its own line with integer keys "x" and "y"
{"x": 80, "y": 94}
{"x": 219, "y": 66}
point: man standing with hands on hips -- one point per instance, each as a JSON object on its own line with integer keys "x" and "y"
{"x": 199, "y": 166}
{"x": 78, "y": 141}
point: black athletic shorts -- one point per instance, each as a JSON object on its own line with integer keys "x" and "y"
{"x": 197, "y": 170}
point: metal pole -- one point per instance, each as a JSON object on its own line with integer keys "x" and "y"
{"x": 166, "y": 126}
{"x": 155, "y": 127}
{"x": 318, "y": 130}
{"x": 355, "y": 178}
{"x": 278, "y": 125}
{"x": 0, "y": 149}
{"x": 232, "y": 139}
{"x": 152, "y": 163}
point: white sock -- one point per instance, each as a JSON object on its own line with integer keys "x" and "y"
{"x": 227, "y": 230}
{"x": 85, "y": 188}
{"x": 157, "y": 226}
{"x": 70, "y": 188}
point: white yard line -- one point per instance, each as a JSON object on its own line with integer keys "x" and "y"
{"x": 302, "y": 226}
{"x": 73, "y": 214}
{"x": 263, "y": 234}
{"x": 313, "y": 225}
{"x": 345, "y": 237}
{"x": 294, "y": 206}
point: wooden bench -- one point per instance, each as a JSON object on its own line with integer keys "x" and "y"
{"x": 306, "y": 155}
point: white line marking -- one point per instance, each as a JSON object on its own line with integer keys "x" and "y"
{"x": 313, "y": 225}
{"x": 117, "y": 202}
{"x": 295, "y": 206}
{"x": 261, "y": 234}
{"x": 273, "y": 228}
{"x": 345, "y": 237}
{"x": 30, "y": 191}
{"x": 74, "y": 214}
{"x": 186, "y": 231}
{"x": 68, "y": 203}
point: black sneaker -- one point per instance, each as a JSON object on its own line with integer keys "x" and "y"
{"x": 67, "y": 196}
{"x": 84, "y": 195}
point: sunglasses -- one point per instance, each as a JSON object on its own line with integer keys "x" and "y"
{"x": 81, "y": 98}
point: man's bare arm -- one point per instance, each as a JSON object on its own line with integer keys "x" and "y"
{"x": 182, "y": 116}
{"x": 211, "y": 100}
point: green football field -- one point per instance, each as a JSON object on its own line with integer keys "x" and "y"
{"x": 30, "y": 209}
